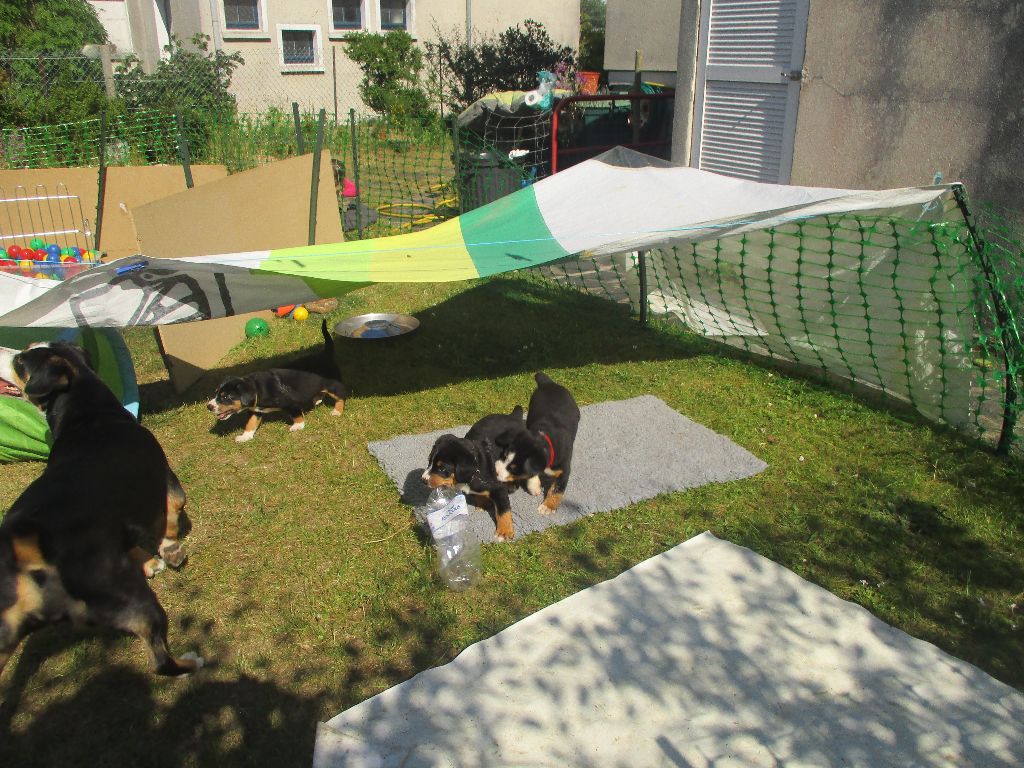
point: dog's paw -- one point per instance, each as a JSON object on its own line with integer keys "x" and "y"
{"x": 192, "y": 659}
{"x": 335, "y": 413}
{"x": 297, "y": 426}
{"x": 173, "y": 554}
{"x": 501, "y": 537}
{"x": 533, "y": 486}
{"x": 545, "y": 510}
{"x": 245, "y": 437}
{"x": 153, "y": 566}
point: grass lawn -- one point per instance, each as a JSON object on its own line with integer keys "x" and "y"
{"x": 309, "y": 590}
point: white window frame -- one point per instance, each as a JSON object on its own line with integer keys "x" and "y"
{"x": 410, "y": 18}
{"x": 364, "y": 20}
{"x": 229, "y": 33}
{"x": 317, "y": 64}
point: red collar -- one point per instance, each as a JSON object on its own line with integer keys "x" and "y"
{"x": 551, "y": 445}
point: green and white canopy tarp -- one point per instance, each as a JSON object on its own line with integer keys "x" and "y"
{"x": 887, "y": 304}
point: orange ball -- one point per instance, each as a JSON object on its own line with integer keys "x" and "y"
{"x": 285, "y": 310}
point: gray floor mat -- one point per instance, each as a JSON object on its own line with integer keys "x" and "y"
{"x": 625, "y": 451}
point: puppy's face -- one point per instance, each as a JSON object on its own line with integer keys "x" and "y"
{"x": 232, "y": 396}
{"x": 522, "y": 456}
{"x": 43, "y": 371}
{"x": 451, "y": 461}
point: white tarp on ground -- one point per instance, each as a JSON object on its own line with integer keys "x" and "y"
{"x": 706, "y": 655}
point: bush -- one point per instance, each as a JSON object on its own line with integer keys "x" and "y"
{"x": 509, "y": 61}
{"x": 391, "y": 65}
{"x": 191, "y": 82}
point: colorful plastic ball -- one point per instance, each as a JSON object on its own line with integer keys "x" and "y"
{"x": 256, "y": 326}
{"x": 89, "y": 256}
{"x": 3, "y": 252}
{"x": 14, "y": 251}
{"x": 35, "y": 243}
{"x": 8, "y": 265}
{"x": 54, "y": 250}
{"x": 68, "y": 259}
{"x": 26, "y": 266}
{"x": 300, "y": 313}
{"x": 40, "y": 276}
{"x": 39, "y": 254}
{"x": 285, "y": 310}
{"x": 75, "y": 251}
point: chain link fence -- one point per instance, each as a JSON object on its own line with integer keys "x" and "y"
{"x": 953, "y": 291}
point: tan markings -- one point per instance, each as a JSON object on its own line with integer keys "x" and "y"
{"x": 300, "y": 419}
{"x": 554, "y": 472}
{"x": 436, "y": 481}
{"x": 253, "y": 423}
{"x": 175, "y": 503}
{"x": 551, "y": 503}
{"x": 27, "y": 553}
{"x": 150, "y": 565}
{"x": 339, "y": 405}
{"x": 503, "y": 530}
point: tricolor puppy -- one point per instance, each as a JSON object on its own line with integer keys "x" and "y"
{"x": 290, "y": 391}
{"x": 467, "y": 464}
{"x": 106, "y": 512}
{"x": 540, "y": 453}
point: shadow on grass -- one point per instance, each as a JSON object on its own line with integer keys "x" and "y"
{"x": 501, "y": 327}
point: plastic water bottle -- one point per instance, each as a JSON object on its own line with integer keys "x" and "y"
{"x": 458, "y": 551}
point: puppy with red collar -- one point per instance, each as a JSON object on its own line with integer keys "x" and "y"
{"x": 106, "y": 512}
{"x": 540, "y": 453}
{"x": 467, "y": 464}
{"x": 290, "y": 391}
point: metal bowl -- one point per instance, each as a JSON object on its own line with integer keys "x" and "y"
{"x": 376, "y": 325}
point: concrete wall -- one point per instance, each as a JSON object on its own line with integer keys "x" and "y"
{"x": 651, "y": 27}
{"x": 896, "y": 90}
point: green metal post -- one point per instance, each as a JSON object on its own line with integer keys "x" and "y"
{"x": 642, "y": 266}
{"x": 300, "y": 145}
{"x": 355, "y": 171}
{"x": 183, "y": 154}
{"x": 460, "y": 183}
{"x": 314, "y": 191}
{"x": 102, "y": 183}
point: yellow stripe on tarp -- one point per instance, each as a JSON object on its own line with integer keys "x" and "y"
{"x": 437, "y": 254}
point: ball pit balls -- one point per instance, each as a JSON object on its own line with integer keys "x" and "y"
{"x": 8, "y": 265}
{"x": 53, "y": 250}
{"x": 26, "y": 266}
{"x": 285, "y": 310}
{"x": 75, "y": 251}
{"x": 39, "y": 254}
{"x": 88, "y": 256}
{"x": 36, "y": 243}
{"x": 256, "y": 326}
{"x": 3, "y": 252}
{"x": 68, "y": 259}
{"x": 300, "y": 313}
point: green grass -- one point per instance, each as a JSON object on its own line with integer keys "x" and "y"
{"x": 309, "y": 590}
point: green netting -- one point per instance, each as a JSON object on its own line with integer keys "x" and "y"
{"x": 923, "y": 311}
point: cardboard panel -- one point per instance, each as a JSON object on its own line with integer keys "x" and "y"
{"x": 127, "y": 187}
{"x": 130, "y": 187}
{"x": 259, "y": 209}
{"x": 264, "y": 208}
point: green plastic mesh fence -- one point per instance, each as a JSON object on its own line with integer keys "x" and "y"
{"x": 923, "y": 311}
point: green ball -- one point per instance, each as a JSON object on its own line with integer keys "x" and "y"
{"x": 36, "y": 243}
{"x": 256, "y": 326}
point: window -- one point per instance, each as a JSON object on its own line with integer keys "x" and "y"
{"x": 242, "y": 14}
{"x": 300, "y": 48}
{"x": 394, "y": 14}
{"x": 347, "y": 14}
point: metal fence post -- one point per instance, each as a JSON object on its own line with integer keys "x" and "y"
{"x": 355, "y": 170}
{"x": 334, "y": 80}
{"x": 642, "y": 265}
{"x": 299, "y": 143}
{"x": 457, "y": 160}
{"x": 183, "y": 152}
{"x": 314, "y": 191}
{"x": 102, "y": 183}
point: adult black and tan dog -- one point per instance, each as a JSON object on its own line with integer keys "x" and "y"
{"x": 291, "y": 391}
{"x": 106, "y": 512}
{"x": 540, "y": 453}
{"x": 467, "y": 464}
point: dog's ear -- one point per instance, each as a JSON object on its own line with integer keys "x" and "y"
{"x": 78, "y": 354}
{"x": 439, "y": 444}
{"x": 466, "y": 463}
{"x": 506, "y": 438}
{"x": 50, "y": 377}
{"x": 246, "y": 393}
{"x": 517, "y": 412}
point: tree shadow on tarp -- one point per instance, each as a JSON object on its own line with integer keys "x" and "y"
{"x": 501, "y": 327}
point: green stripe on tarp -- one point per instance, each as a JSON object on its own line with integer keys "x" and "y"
{"x": 508, "y": 234}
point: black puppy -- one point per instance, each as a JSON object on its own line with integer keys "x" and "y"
{"x": 291, "y": 391}
{"x": 81, "y": 539}
{"x": 467, "y": 464}
{"x": 541, "y": 452}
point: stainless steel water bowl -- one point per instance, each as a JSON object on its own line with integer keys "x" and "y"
{"x": 376, "y": 325}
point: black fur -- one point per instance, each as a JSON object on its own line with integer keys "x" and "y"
{"x": 73, "y": 544}
{"x": 526, "y": 452}
{"x": 467, "y": 463}
{"x": 291, "y": 391}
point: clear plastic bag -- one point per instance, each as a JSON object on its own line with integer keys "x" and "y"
{"x": 458, "y": 551}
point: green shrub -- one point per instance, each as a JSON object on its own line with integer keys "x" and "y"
{"x": 391, "y": 65}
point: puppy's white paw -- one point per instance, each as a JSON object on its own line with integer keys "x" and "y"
{"x": 545, "y": 510}
{"x": 245, "y": 437}
{"x": 153, "y": 567}
{"x": 297, "y": 426}
{"x": 195, "y": 658}
{"x": 335, "y": 413}
{"x": 500, "y": 538}
{"x": 533, "y": 486}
